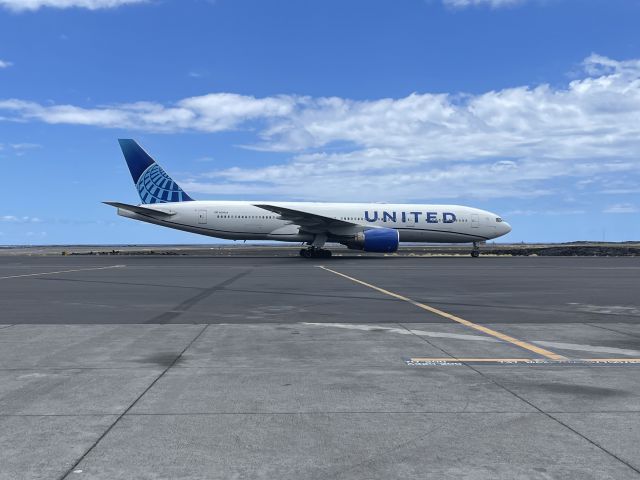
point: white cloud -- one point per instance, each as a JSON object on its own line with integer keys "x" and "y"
{"x": 208, "y": 113}
{"x": 4, "y": 63}
{"x": 473, "y": 3}
{"x": 21, "y": 149}
{"x": 507, "y": 142}
{"x": 25, "y": 146}
{"x": 621, "y": 208}
{"x": 32, "y": 5}
{"x": 17, "y": 219}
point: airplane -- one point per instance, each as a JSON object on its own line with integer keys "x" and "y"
{"x": 369, "y": 227}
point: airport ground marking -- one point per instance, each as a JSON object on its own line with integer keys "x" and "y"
{"x": 489, "y": 331}
{"x": 62, "y": 271}
{"x": 445, "y": 361}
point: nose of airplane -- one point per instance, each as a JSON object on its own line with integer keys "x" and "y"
{"x": 506, "y": 228}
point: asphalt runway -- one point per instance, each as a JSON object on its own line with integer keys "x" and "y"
{"x": 352, "y": 367}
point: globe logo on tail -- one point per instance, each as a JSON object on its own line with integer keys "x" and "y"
{"x": 155, "y": 186}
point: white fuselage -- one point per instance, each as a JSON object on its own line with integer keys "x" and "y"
{"x": 245, "y": 221}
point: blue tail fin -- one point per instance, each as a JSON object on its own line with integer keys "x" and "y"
{"x": 152, "y": 182}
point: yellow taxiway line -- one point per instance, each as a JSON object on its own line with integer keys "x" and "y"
{"x": 489, "y": 331}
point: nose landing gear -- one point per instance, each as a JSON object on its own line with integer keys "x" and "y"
{"x": 313, "y": 252}
{"x": 475, "y": 253}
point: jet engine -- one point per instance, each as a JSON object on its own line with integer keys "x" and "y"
{"x": 381, "y": 240}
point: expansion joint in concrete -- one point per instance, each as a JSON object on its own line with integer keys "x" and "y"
{"x": 133, "y": 404}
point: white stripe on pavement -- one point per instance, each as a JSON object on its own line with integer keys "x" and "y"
{"x": 62, "y": 271}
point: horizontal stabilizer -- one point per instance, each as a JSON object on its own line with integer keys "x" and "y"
{"x": 141, "y": 210}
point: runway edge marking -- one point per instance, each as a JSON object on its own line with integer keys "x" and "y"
{"x": 506, "y": 338}
{"x": 63, "y": 271}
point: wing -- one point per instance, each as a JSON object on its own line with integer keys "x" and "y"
{"x": 314, "y": 223}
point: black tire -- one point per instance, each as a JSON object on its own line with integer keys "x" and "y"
{"x": 475, "y": 254}
{"x": 303, "y": 252}
{"x": 326, "y": 254}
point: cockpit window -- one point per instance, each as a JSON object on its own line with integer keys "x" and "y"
{"x": 498, "y": 219}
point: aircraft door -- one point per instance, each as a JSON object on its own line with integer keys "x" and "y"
{"x": 475, "y": 220}
{"x": 202, "y": 217}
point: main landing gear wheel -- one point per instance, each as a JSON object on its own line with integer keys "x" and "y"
{"x": 315, "y": 253}
{"x": 475, "y": 253}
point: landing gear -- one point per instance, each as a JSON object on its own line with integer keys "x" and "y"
{"x": 313, "y": 252}
{"x": 315, "y": 249}
{"x": 475, "y": 253}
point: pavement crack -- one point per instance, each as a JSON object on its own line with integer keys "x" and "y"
{"x": 133, "y": 404}
{"x": 178, "y": 310}
{"x": 555, "y": 419}
{"x": 629, "y": 334}
{"x": 453, "y": 357}
{"x": 532, "y": 405}
{"x": 376, "y": 458}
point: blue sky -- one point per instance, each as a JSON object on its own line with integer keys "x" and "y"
{"x": 527, "y": 108}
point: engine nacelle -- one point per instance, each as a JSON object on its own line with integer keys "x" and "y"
{"x": 381, "y": 240}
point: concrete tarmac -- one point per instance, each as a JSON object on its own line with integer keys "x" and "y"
{"x": 353, "y": 367}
